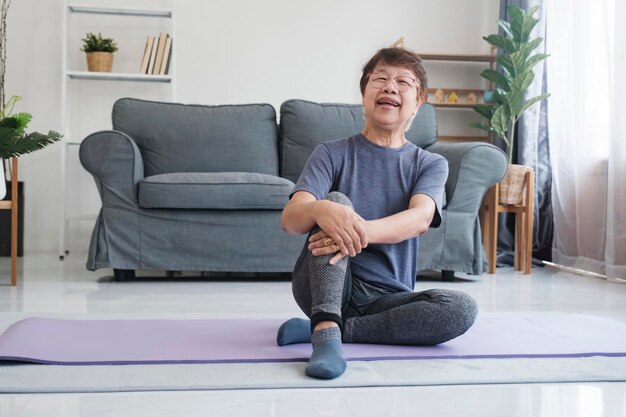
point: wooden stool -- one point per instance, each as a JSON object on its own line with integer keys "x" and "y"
{"x": 523, "y": 225}
{"x": 12, "y": 205}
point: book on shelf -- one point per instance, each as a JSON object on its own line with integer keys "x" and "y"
{"x": 153, "y": 53}
{"x": 159, "y": 54}
{"x": 145, "y": 61}
{"x": 167, "y": 55}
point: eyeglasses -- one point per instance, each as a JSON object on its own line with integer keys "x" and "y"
{"x": 402, "y": 83}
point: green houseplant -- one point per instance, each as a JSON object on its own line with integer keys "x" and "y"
{"x": 99, "y": 51}
{"x": 14, "y": 141}
{"x": 514, "y": 57}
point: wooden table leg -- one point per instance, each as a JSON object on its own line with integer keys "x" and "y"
{"x": 14, "y": 208}
{"x": 518, "y": 244}
{"x": 492, "y": 226}
{"x": 528, "y": 233}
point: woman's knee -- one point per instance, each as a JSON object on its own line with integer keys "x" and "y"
{"x": 464, "y": 308}
{"x": 460, "y": 311}
{"x": 337, "y": 197}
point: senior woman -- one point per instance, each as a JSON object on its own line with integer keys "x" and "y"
{"x": 364, "y": 201}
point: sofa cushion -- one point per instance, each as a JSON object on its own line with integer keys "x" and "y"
{"x": 193, "y": 138}
{"x": 224, "y": 190}
{"x": 304, "y": 125}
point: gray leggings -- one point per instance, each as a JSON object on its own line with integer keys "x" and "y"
{"x": 370, "y": 314}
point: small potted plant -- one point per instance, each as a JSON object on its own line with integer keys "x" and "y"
{"x": 516, "y": 61}
{"x": 99, "y": 52}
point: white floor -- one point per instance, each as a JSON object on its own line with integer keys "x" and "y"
{"x": 50, "y": 288}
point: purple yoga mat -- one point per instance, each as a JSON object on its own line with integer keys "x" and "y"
{"x": 88, "y": 342}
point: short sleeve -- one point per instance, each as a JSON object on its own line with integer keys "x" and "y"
{"x": 317, "y": 175}
{"x": 431, "y": 181}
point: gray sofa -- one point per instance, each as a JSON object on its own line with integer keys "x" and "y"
{"x": 201, "y": 188}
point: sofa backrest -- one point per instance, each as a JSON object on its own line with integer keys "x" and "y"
{"x": 194, "y": 138}
{"x": 304, "y": 125}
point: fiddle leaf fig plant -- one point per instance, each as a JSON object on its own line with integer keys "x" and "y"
{"x": 516, "y": 62}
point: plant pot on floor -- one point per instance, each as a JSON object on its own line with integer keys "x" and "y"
{"x": 99, "y": 61}
{"x": 512, "y": 186}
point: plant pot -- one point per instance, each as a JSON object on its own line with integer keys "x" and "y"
{"x": 513, "y": 185}
{"x": 3, "y": 188}
{"x": 5, "y": 222}
{"x": 99, "y": 61}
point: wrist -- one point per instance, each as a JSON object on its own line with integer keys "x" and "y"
{"x": 316, "y": 210}
{"x": 370, "y": 232}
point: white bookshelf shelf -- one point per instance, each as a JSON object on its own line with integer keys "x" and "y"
{"x": 116, "y": 11}
{"x": 119, "y": 76}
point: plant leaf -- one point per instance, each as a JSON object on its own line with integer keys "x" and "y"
{"x": 484, "y": 110}
{"x": 528, "y": 24}
{"x": 500, "y": 120}
{"x": 501, "y": 42}
{"x": 515, "y": 100}
{"x": 8, "y": 137}
{"x": 532, "y": 45}
{"x": 533, "y": 100}
{"x": 506, "y": 28}
{"x": 498, "y": 78}
{"x": 518, "y": 60}
{"x": 516, "y": 22}
{"x": 506, "y": 63}
{"x": 523, "y": 81}
{"x": 483, "y": 127}
{"x": 533, "y": 60}
{"x": 12, "y": 143}
{"x": 533, "y": 10}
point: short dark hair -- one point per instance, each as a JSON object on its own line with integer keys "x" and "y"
{"x": 399, "y": 57}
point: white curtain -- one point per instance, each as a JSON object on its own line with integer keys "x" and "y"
{"x": 586, "y": 117}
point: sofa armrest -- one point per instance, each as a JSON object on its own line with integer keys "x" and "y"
{"x": 115, "y": 162}
{"x": 474, "y": 167}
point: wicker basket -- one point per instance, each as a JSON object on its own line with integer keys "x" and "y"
{"x": 99, "y": 61}
{"x": 513, "y": 184}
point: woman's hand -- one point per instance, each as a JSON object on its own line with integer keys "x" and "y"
{"x": 344, "y": 227}
{"x": 321, "y": 244}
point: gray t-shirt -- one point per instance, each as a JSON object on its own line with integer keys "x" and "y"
{"x": 380, "y": 182}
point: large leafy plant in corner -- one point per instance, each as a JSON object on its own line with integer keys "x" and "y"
{"x": 14, "y": 141}
{"x": 516, "y": 63}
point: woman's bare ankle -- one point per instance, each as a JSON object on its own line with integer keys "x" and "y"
{"x": 325, "y": 325}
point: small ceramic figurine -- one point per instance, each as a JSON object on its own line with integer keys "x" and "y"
{"x": 439, "y": 96}
{"x": 453, "y": 97}
{"x": 471, "y": 98}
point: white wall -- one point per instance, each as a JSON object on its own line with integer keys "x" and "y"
{"x": 227, "y": 51}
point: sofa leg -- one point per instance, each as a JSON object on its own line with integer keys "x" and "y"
{"x": 447, "y": 276}
{"x": 123, "y": 274}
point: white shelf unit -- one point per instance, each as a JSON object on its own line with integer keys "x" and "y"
{"x": 478, "y": 61}
{"x": 74, "y": 79}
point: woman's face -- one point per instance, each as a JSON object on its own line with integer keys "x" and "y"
{"x": 390, "y": 99}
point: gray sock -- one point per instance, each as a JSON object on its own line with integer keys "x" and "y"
{"x": 327, "y": 360}
{"x": 294, "y": 330}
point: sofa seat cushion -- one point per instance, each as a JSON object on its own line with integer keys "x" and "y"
{"x": 208, "y": 190}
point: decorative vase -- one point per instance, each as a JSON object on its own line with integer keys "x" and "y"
{"x": 512, "y": 186}
{"x": 3, "y": 184}
{"x": 99, "y": 61}
{"x": 488, "y": 96}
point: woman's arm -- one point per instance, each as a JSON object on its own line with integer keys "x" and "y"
{"x": 403, "y": 225}
{"x": 339, "y": 222}
{"x": 398, "y": 227}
